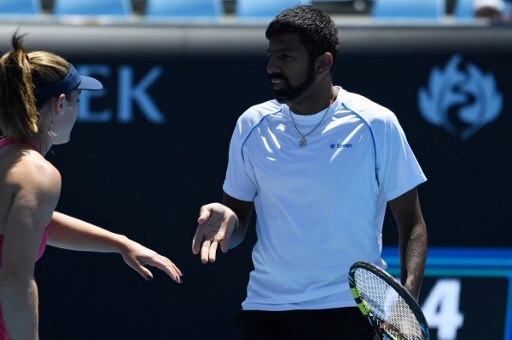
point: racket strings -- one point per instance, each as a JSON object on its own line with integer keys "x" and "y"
{"x": 388, "y": 306}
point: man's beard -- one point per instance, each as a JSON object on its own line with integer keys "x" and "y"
{"x": 290, "y": 93}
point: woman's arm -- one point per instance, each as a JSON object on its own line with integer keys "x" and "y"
{"x": 71, "y": 233}
{"x": 34, "y": 200}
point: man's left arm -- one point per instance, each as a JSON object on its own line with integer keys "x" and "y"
{"x": 412, "y": 239}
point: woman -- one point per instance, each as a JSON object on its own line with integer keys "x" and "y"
{"x": 39, "y": 94}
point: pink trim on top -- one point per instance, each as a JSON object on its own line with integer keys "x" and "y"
{"x": 7, "y": 141}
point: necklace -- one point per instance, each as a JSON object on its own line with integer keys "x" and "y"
{"x": 303, "y": 141}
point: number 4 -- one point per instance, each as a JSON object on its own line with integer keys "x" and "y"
{"x": 441, "y": 309}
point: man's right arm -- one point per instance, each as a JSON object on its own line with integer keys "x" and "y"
{"x": 243, "y": 211}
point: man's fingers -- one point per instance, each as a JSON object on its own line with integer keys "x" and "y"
{"x": 229, "y": 227}
{"x": 196, "y": 241}
{"x": 215, "y": 226}
{"x": 204, "y": 214}
{"x": 213, "y": 251}
{"x": 205, "y": 251}
{"x": 224, "y": 245}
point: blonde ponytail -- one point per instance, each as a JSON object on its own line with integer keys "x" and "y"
{"x": 18, "y": 112}
{"x": 20, "y": 73}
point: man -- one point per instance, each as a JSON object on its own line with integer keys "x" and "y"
{"x": 318, "y": 164}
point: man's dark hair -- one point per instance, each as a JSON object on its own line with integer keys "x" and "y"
{"x": 316, "y": 30}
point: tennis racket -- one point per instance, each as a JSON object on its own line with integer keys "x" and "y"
{"x": 391, "y": 310}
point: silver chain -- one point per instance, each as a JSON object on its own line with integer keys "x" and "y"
{"x": 303, "y": 141}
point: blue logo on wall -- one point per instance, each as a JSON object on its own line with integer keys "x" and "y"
{"x": 461, "y": 101}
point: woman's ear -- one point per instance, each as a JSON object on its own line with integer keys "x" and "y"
{"x": 58, "y": 104}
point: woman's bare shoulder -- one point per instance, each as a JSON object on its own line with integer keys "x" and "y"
{"x": 29, "y": 170}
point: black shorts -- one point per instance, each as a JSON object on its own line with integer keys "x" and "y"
{"x": 326, "y": 324}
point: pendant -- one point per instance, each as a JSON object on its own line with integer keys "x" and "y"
{"x": 303, "y": 142}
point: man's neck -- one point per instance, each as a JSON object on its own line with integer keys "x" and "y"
{"x": 312, "y": 101}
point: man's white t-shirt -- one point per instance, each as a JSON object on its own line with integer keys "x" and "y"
{"x": 320, "y": 207}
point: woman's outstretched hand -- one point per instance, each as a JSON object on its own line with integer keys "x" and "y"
{"x": 139, "y": 257}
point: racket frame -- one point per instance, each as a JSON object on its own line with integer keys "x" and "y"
{"x": 366, "y": 309}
